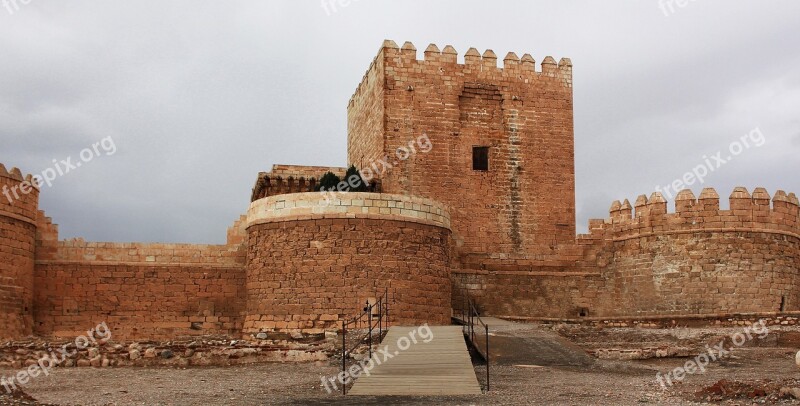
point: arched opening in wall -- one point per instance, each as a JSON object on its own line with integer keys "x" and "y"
{"x": 583, "y": 312}
{"x": 783, "y": 303}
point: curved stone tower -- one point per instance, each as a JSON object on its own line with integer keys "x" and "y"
{"x": 19, "y": 201}
{"x": 312, "y": 261}
{"x": 701, "y": 260}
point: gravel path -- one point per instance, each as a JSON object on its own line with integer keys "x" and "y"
{"x": 602, "y": 383}
{"x": 300, "y": 384}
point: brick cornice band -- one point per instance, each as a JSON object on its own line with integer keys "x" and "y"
{"x": 695, "y": 231}
{"x": 203, "y": 265}
{"x": 316, "y": 205}
{"x": 13, "y": 216}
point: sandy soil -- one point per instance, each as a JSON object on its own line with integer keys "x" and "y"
{"x": 602, "y": 383}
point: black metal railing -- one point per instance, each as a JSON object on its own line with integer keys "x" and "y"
{"x": 374, "y": 317}
{"x": 472, "y": 319}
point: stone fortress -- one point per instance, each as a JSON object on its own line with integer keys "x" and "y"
{"x": 488, "y": 212}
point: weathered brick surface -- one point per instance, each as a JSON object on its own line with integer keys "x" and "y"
{"x": 315, "y": 206}
{"x": 525, "y": 203}
{"x": 286, "y": 179}
{"x": 442, "y": 231}
{"x": 366, "y": 117}
{"x": 309, "y": 274}
{"x": 697, "y": 261}
{"x": 139, "y": 301}
{"x": 141, "y": 291}
{"x": 17, "y": 250}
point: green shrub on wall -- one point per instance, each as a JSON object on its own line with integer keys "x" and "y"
{"x": 354, "y": 180}
{"x": 328, "y": 181}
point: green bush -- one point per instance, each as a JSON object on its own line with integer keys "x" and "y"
{"x": 357, "y": 184}
{"x": 328, "y": 181}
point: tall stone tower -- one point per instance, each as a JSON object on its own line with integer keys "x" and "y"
{"x": 501, "y": 143}
{"x": 19, "y": 202}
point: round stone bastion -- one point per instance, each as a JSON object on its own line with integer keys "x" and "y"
{"x": 18, "y": 214}
{"x": 316, "y": 259}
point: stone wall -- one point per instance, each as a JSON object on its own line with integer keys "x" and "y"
{"x": 698, "y": 261}
{"x": 303, "y": 261}
{"x": 365, "y": 117}
{"x": 534, "y": 294}
{"x": 18, "y": 205}
{"x": 703, "y": 260}
{"x": 286, "y": 179}
{"x": 311, "y": 263}
{"x": 524, "y": 204}
{"x": 141, "y": 291}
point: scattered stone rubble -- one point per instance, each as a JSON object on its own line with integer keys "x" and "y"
{"x": 190, "y": 352}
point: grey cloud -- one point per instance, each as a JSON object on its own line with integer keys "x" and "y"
{"x": 201, "y": 95}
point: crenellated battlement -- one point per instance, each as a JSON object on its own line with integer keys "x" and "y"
{"x": 19, "y": 194}
{"x": 237, "y": 233}
{"x": 285, "y": 179}
{"x": 465, "y": 151}
{"x": 16, "y": 174}
{"x": 474, "y": 59}
{"x": 289, "y": 179}
{"x": 758, "y": 212}
{"x": 19, "y": 201}
{"x": 445, "y": 62}
{"x": 513, "y": 119}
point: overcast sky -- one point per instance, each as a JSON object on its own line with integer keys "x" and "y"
{"x": 199, "y": 96}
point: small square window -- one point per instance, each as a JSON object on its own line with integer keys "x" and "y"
{"x": 480, "y": 158}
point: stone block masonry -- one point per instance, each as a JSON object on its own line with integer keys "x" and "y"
{"x": 311, "y": 264}
{"x": 17, "y": 254}
{"x": 525, "y": 202}
{"x": 153, "y": 291}
{"x": 697, "y": 262}
{"x": 286, "y": 179}
{"x": 488, "y": 212}
{"x": 140, "y": 301}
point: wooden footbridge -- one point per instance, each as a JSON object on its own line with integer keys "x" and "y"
{"x": 441, "y": 366}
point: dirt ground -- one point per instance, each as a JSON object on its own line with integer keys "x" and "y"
{"x": 749, "y": 376}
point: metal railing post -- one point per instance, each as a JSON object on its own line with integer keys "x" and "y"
{"x": 344, "y": 354}
{"x": 466, "y": 316}
{"x": 387, "y": 309}
{"x": 487, "y": 357}
{"x": 369, "y": 331}
{"x": 471, "y": 322}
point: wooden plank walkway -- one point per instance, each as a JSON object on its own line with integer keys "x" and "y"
{"x": 439, "y": 367}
